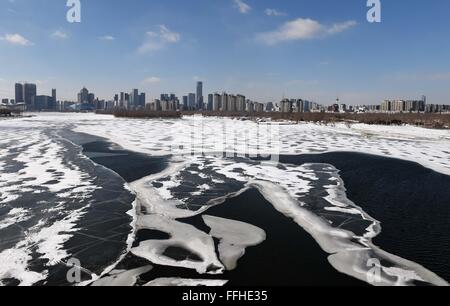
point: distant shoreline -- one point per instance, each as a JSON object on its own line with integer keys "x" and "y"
{"x": 433, "y": 121}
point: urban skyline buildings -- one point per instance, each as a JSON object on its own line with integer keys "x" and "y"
{"x": 26, "y": 94}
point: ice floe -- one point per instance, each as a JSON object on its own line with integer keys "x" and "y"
{"x": 235, "y": 237}
{"x": 122, "y": 278}
{"x": 346, "y": 255}
{"x": 200, "y": 246}
{"x": 340, "y": 227}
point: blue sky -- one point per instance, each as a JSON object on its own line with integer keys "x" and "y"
{"x": 312, "y": 49}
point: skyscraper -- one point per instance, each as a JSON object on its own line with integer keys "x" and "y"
{"x": 216, "y": 102}
{"x": 191, "y": 101}
{"x": 122, "y": 100}
{"x": 29, "y": 93}
{"x": 231, "y": 103}
{"x": 54, "y": 102}
{"x": 134, "y": 98}
{"x": 199, "y": 95}
{"x": 83, "y": 96}
{"x": 210, "y": 102}
{"x": 126, "y": 103}
{"x": 240, "y": 103}
{"x": 224, "y": 102}
{"x": 91, "y": 98}
{"x": 142, "y": 100}
{"x": 19, "y": 93}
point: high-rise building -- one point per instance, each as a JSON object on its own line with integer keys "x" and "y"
{"x": 286, "y": 106}
{"x": 19, "y": 93}
{"x": 210, "y": 102}
{"x": 306, "y": 106}
{"x": 185, "y": 102}
{"x": 199, "y": 95}
{"x": 41, "y": 103}
{"x": 386, "y": 106}
{"x": 270, "y": 107}
{"x": 298, "y": 105}
{"x": 240, "y": 103}
{"x": 142, "y": 100}
{"x": 191, "y": 101}
{"x": 29, "y": 93}
{"x": 249, "y": 106}
{"x": 91, "y": 98}
{"x": 259, "y": 107}
{"x": 83, "y": 96}
{"x": 232, "y": 103}
{"x": 134, "y": 99}
{"x": 121, "y": 100}
{"x": 54, "y": 96}
{"x": 224, "y": 102}
{"x": 116, "y": 101}
{"x": 126, "y": 103}
{"x": 216, "y": 102}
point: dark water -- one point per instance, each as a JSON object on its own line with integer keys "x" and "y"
{"x": 288, "y": 257}
{"x": 412, "y": 203}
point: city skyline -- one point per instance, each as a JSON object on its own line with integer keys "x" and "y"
{"x": 28, "y": 99}
{"x": 264, "y": 49}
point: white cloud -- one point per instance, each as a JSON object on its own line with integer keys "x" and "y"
{"x": 16, "y": 39}
{"x": 274, "y": 13}
{"x": 158, "y": 40}
{"x": 59, "y": 34}
{"x": 107, "y": 38}
{"x": 341, "y": 27}
{"x": 243, "y": 7}
{"x": 151, "y": 80}
{"x": 302, "y": 29}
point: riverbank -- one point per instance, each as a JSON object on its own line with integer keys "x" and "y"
{"x": 432, "y": 121}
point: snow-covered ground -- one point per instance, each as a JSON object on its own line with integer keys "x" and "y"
{"x": 430, "y": 148}
{"x": 32, "y": 161}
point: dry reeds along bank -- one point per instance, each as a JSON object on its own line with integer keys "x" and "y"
{"x": 440, "y": 121}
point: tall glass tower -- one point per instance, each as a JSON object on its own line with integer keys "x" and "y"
{"x": 199, "y": 95}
